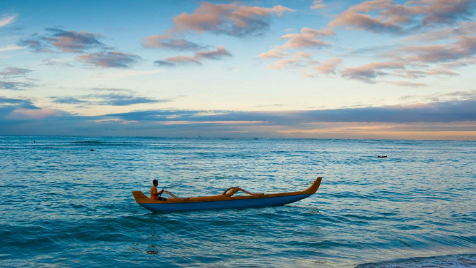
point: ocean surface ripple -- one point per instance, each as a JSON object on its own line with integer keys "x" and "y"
{"x": 63, "y": 205}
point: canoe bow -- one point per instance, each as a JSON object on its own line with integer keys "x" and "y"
{"x": 224, "y": 201}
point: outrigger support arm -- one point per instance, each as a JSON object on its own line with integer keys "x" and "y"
{"x": 234, "y": 190}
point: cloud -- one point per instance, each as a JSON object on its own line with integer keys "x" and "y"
{"x": 125, "y": 100}
{"x": 13, "y": 71}
{"x": 75, "y": 42}
{"x": 316, "y": 4}
{"x": 8, "y": 19}
{"x": 164, "y": 63}
{"x": 64, "y": 41}
{"x": 446, "y": 111}
{"x": 369, "y": 71}
{"x": 406, "y": 84}
{"x": 229, "y": 19}
{"x": 454, "y": 118}
{"x": 397, "y": 19}
{"x": 111, "y": 99}
{"x": 68, "y": 100}
{"x": 221, "y": 19}
{"x": 37, "y": 114}
{"x": 19, "y": 103}
{"x": 328, "y": 67}
{"x": 168, "y": 42}
{"x": 352, "y": 19}
{"x": 9, "y": 85}
{"x": 273, "y": 53}
{"x": 58, "y": 62}
{"x": 36, "y": 43}
{"x": 308, "y": 38}
{"x": 217, "y": 54}
{"x": 11, "y": 48}
{"x": 100, "y": 89}
{"x": 461, "y": 63}
{"x": 462, "y": 28}
{"x": 110, "y": 59}
{"x": 464, "y": 47}
{"x": 413, "y": 61}
{"x": 299, "y": 59}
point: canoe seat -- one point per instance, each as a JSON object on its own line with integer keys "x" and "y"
{"x": 233, "y": 190}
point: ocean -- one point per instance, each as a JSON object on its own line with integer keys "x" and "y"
{"x": 63, "y": 205}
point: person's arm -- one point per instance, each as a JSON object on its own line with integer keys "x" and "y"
{"x": 161, "y": 192}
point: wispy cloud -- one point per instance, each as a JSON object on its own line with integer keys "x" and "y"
{"x": 14, "y": 72}
{"x": 64, "y": 41}
{"x": 110, "y": 99}
{"x": 317, "y": 4}
{"x": 406, "y": 83}
{"x": 110, "y": 59}
{"x": 370, "y": 71}
{"x": 9, "y": 85}
{"x": 217, "y": 54}
{"x": 7, "y": 19}
{"x": 11, "y": 48}
{"x": 328, "y": 67}
{"x": 464, "y": 47}
{"x": 168, "y": 42}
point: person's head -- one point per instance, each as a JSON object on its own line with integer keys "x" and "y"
{"x": 155, "y": 182}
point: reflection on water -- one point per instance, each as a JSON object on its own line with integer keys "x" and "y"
{"x": 63, "y": 205}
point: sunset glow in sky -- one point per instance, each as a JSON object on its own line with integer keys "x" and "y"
{"x": 295, "y": 69}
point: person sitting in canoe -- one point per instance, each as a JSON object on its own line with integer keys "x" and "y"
{"x": 154, "y": 195}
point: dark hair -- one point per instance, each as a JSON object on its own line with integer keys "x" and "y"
{"x": 154, "y": 181}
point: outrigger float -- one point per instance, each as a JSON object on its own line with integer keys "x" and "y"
{"x": 226, "y": 200}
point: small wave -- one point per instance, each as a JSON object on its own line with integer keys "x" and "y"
{"x": 87, "y": 142}
{"x": 449, "y": 261}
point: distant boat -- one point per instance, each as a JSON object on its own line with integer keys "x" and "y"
{"x": 382, "y": 156}
{"x": 227, "y": 200}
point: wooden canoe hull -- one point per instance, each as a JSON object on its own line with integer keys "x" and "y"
{"x": 224, "y": 201}
{"x": 226, "y": 204}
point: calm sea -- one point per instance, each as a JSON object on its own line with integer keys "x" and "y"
{"x": 63, "y": 205}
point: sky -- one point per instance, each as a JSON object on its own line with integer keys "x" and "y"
{"x": 378, "y": 69}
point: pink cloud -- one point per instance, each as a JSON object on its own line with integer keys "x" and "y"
{"x": 396, "y": 18}
{"x": 328, "y": 67}
{"x": 463, "y": 28}
{"x": 299, "y": 59}
{"x": 36, "y": 114}
{"x": 217, "y": 54}
{"x": 273, "y": 53}
{"x": 230, "y": 19}
{"x": 464, "y": 47}
{"x": 316, "y": 4}
{"x": 306, "y": 39}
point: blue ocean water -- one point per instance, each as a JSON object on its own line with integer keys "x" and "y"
{"x": 63, "y": 205}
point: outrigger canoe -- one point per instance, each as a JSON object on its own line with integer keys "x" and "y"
{"x": 226, "y": 200}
